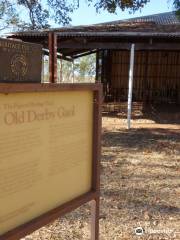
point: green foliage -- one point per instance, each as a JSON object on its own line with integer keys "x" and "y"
{"x": 42, "y": 12}
{"x": 61, "y": 10}
{"x": 85, "y": 66}
{"x": 112, "y": 5}
{"x": 176, "y": 4}
{"x": 35, "y": 14}
{"x": 83, "y": 69}
{"x": 8, "y": 15}
{"x": 38, "y": 16}
{"x": 67, "y": 71}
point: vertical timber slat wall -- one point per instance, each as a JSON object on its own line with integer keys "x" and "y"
{"x": 119, "y": 75}
{"x": 156, "y": 76}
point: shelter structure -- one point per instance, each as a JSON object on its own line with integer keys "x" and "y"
{"x": 153, "y": 42}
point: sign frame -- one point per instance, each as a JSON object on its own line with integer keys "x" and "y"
{"x": 93, "y": 195}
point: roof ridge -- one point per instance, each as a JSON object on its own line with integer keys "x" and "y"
{"x": 171, "y": 13}
{"x": 151, "y": 15}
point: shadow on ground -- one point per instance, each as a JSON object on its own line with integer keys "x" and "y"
{"x": 153, "y": 139}
{"x": 140, "y": 173}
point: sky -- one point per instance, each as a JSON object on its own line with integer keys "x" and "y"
{"x": 87, "y": 15}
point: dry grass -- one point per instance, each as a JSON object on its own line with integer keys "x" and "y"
{"x": 140, "y": 186}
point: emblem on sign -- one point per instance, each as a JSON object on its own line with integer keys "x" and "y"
{"x": 19, "y": 65}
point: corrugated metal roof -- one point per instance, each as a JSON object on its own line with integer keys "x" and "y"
{"x": 167, "y": 18}
{"x": 118, "y": 34}
{"x": 157, "y": 25}
{"x": 104, "y": 34}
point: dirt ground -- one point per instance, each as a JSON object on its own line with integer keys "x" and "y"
{"x": 140, "y": 184}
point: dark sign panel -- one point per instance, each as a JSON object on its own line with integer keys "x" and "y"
{"x": 20, "y": 61}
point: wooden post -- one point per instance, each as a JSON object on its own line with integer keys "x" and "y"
{"x": 130, "y": 89}
{"x": 61, "y": 71}
{"x": 96, "y": 165}
{"x": 73, "y": 71}
{"x": 95, "y": 219}
{"x": 42, "y": 72}
{"x": 55, "y": 58}
{"x": 97, "y": 66}
{"x": 52, "y": 42}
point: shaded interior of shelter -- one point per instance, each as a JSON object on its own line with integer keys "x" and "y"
{"x": 156, "y": 86}
{"x": 156, "y": 76}
{"x": 161, "y": 113}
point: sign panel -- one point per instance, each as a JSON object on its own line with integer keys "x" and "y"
{"x": 20, "y": 61}
{"x": 46, "y": 142}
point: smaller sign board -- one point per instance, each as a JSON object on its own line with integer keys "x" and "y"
{"x": 20, "y": 61}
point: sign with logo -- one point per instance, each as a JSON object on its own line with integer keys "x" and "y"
{"x": 49, "y": 152}
{"x": 20, "y": 61}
